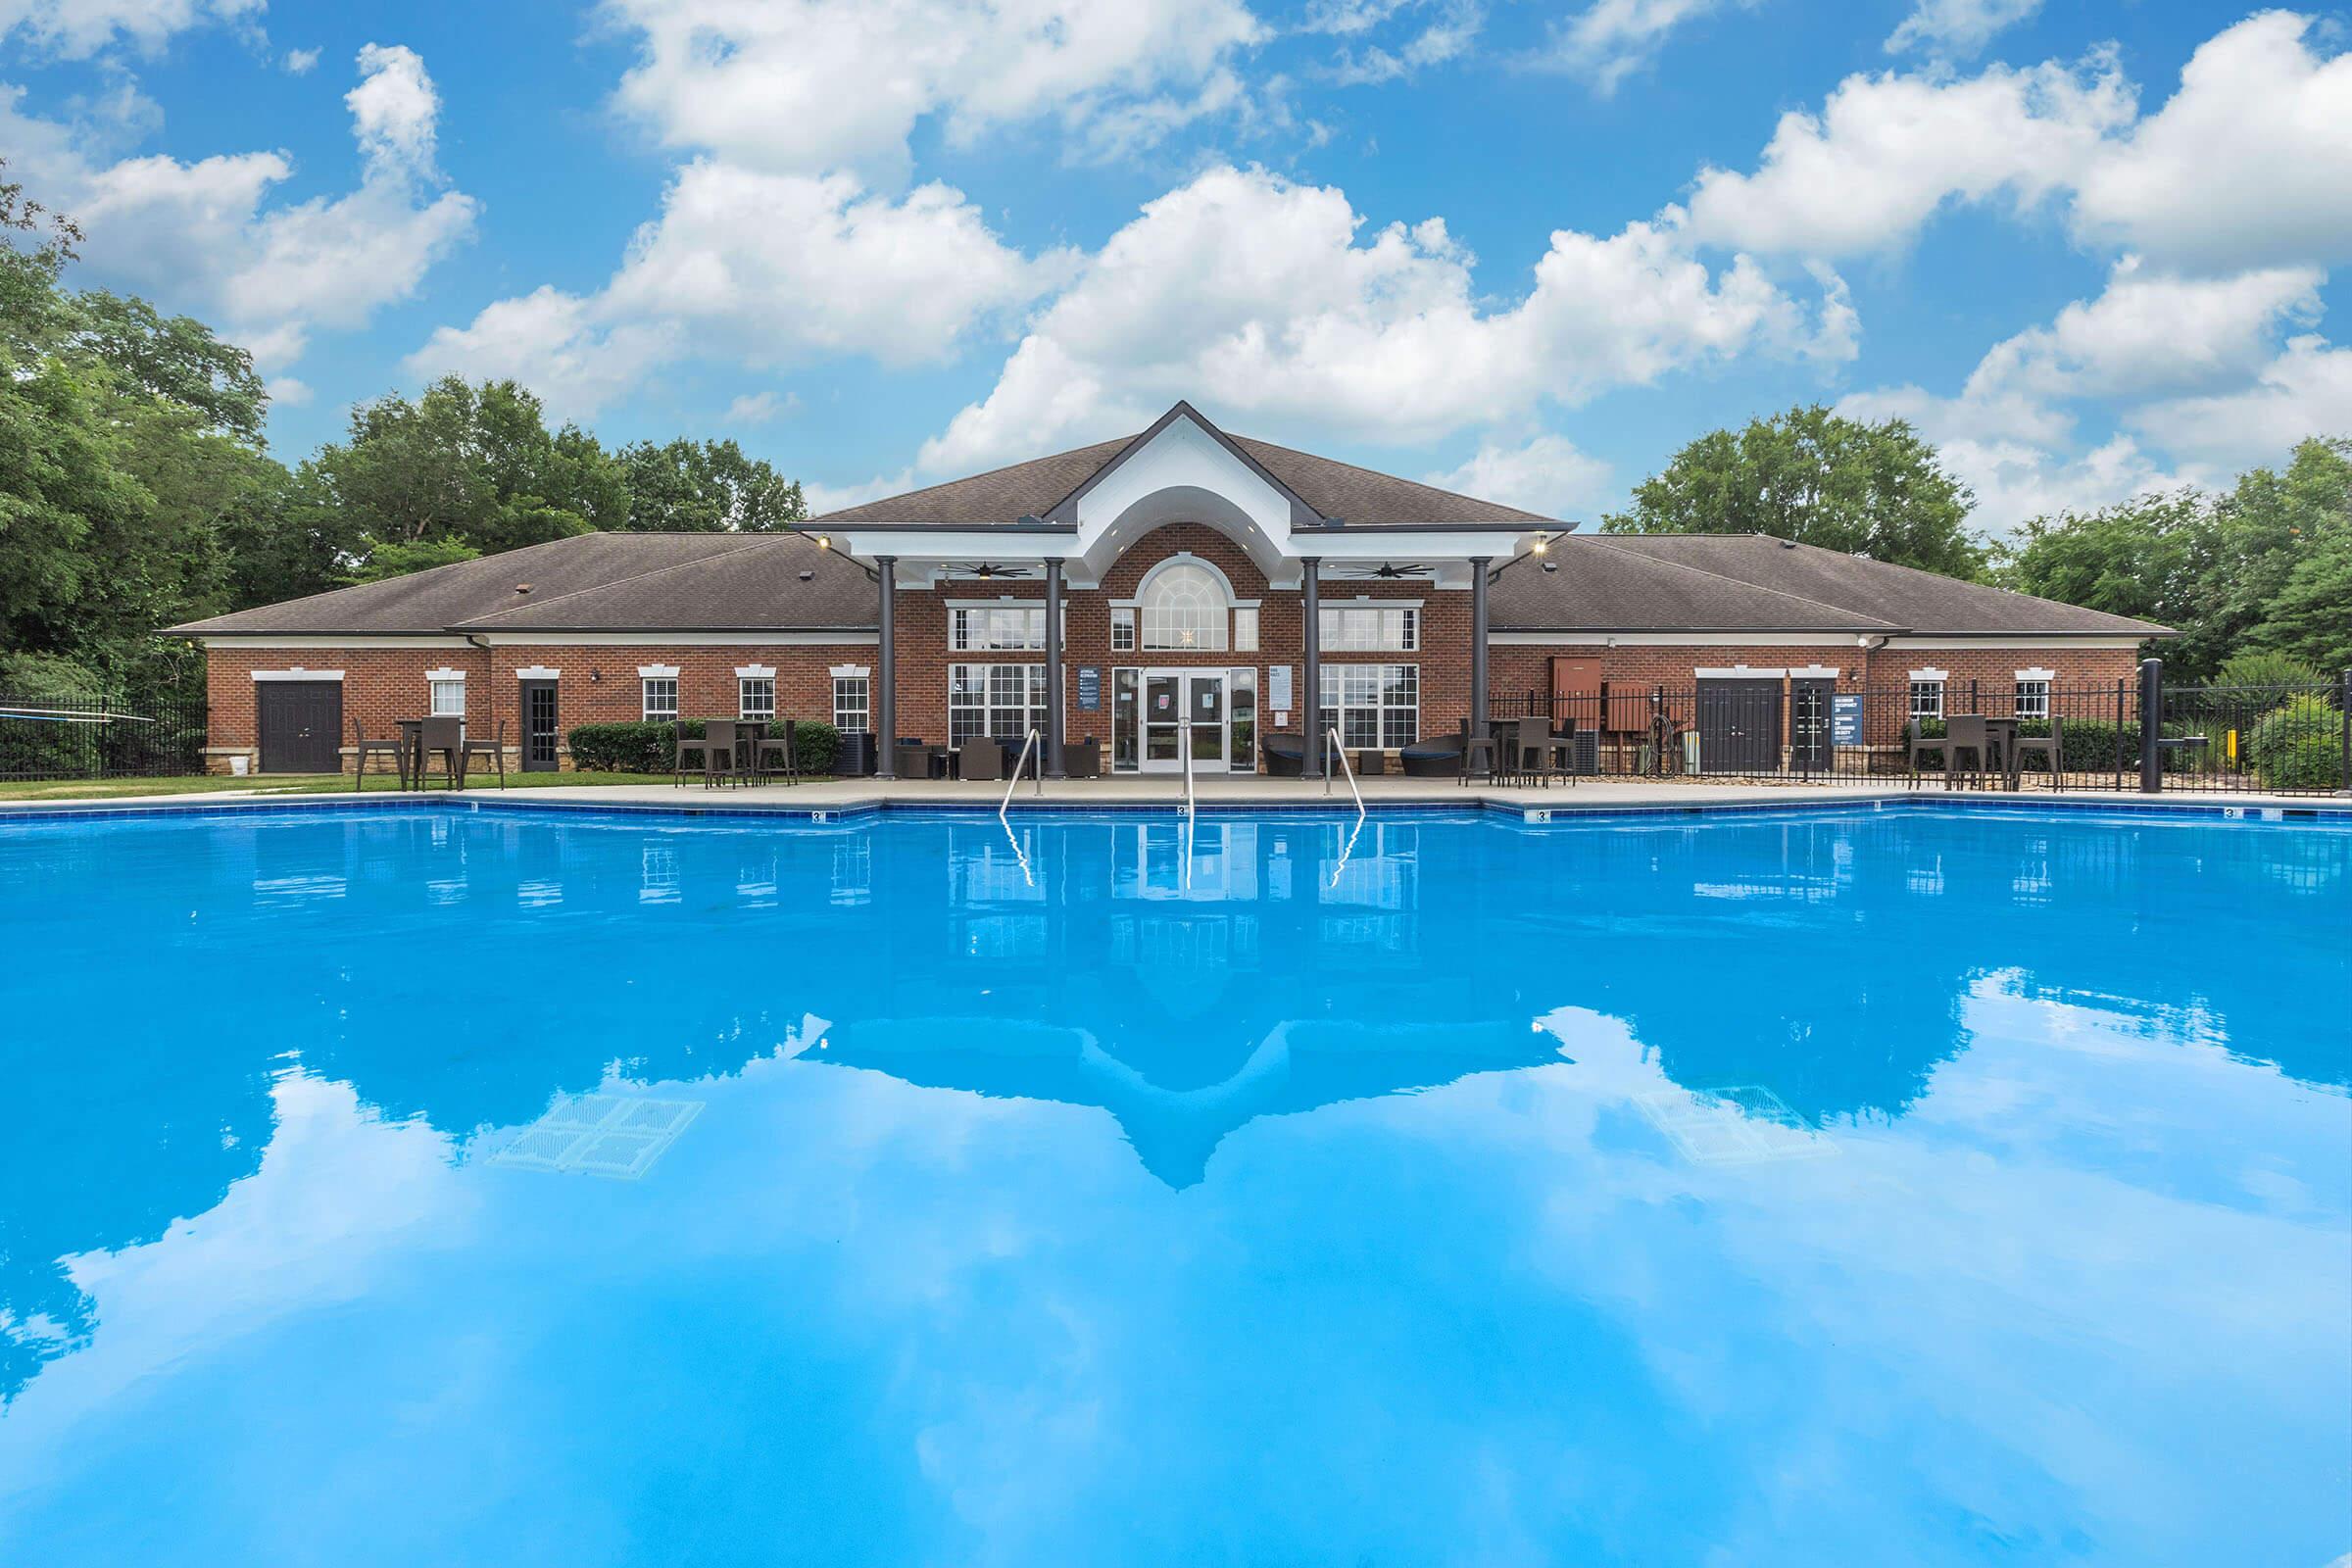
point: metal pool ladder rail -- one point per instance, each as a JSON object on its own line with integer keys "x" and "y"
{"x": 1340, "y": 752}
{"x": 1028, "y": 745}
{"x": 1183, "y": 738}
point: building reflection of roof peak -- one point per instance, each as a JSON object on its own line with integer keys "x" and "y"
{"x": 1175, "y": 1119}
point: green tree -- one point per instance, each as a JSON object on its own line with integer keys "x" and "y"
{"x": 1809, "y": 474}
{"x": 2152, "y": 558}
{"x": 706, "y": 488}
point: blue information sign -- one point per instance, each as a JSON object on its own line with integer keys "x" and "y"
{"x": 1090, "y": 688}
{"x": 1845, "y": 718}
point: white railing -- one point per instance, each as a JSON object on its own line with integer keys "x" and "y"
{"x": 1339, "y": 754}
{"x": 1183, "y": 738}
{"x": 1029, "y": 743}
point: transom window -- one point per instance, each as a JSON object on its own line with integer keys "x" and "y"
{"x": 449, "y": 699}
{"x": 1184, "y": 608}
{"x": 1370, "y": 628}
{"x": 853, "y": 704}
{"x": 2032, "y": 699}
{"x": 1006, "y": 701}
{"x": 1373, "y": 704}
{"x": 1926, "y": 699}
{"x": 997, "y": 628}
{"x": 660, "y": 697}
{"x": 755, "y": 697}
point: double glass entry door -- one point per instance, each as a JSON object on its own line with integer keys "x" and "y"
{"x": 1154, "y": 706}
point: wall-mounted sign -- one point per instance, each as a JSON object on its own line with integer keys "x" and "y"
{"x": 1278, "y": 686}
{"x": 1845, "y": 718}
{"x": 1090, "y": 688}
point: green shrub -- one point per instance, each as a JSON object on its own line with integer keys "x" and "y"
{"x": 2299, "y": 746}
{"x": 637, "y": 747}
{"x": 2264, "y": 667}
{"x": 652, "y": 748}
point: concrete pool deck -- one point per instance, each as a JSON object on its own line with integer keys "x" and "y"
{"x": 1587, "y": 796}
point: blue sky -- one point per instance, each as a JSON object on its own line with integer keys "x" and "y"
{"x": 1524, "y": 250}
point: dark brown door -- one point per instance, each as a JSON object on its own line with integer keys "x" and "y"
{"x": 301, "y": 724}
{"x": 540, "y": 726}
{"x": 1739, "y": 726}
{"x": 1574, "y": 692}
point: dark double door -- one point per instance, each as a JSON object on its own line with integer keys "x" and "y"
{"x": 541, "y": 725}
{"x": 301, "y": 724}
{"x": 1739, "y": 726}
{"x": 1809, "y": 728}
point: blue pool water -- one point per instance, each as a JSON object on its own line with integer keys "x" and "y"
{"x": 1919, "y": 1187}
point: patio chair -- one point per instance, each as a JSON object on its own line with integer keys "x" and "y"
{"x": 980, "y": 758}
{"x": 1966, "y": 732}
{"x": 777, "y": 749}
{"x": 1480, "y": 748}
{"x": 2051, "y": 746}
{"x": 1919, "y": 744}
{"x": 495, "y": 748}
{"x": 448, "y": 737}
{"x": 1545, "y": 753}
{"x": 715, "y": 751}
{"x": 362, "y": 749}
{"x": 1286, "y": 756}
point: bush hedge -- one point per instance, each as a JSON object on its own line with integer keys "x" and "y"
{"x": 2298, "y": 745}
{"x": 642, "y": 746}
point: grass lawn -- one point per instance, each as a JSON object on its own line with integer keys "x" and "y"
{"x": 108, "y": 789}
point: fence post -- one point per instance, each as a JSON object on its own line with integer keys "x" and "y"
{"x": 2343, "y": 714}
{"x": 2151, "y": 715}
{"x": 1973, "y": 706}
{"x": 1657, "y": 731}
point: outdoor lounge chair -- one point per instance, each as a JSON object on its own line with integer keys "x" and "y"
{"x": 448, "y": 737}
{"x": 1286, "y": 756}
{"x": 1432, "y": 758}
{"x": 475, "y": 746}
{"x": 980, "y": 758}
{"x": 362, "y": 749}
{"x": 2051, "y": 746}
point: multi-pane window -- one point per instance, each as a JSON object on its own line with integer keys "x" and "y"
{"x": 1369, "y": 628}
{"x": 1006, "y": 701}
{"x": 2032, "y": 699}
{"x": 1926, "y": 699}
{"x": 755, "y": 696}
{"x": 996, "y": 628}
{"x": 1184, "y": 608}
{"x": 1122, "y": 629}
{"x": 449, "y": 699}
{"x": 1245, "y": 628}
{"x": 660, "y": 696}
{"x": 1373, "y": 704}
{"x": 853, "y": 704}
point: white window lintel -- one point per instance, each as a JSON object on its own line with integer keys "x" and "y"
{"x": 755, "y": 672}
{"x": 444, "y": 674}
{"x": 538, "y": 672}
{"x": 1930, "y": 674}
{"x": 859, "y": 671}
{"x": 657, "y": 672}
{"x": 298, "y": 673}
{"x": 1738, "y": 672}
{"x": 1813, "y": 672}
{"x": 2036, "y": 675}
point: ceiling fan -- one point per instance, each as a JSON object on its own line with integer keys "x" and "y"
{"x": 989, "y": 570}
{"x": 1385, "y": 571}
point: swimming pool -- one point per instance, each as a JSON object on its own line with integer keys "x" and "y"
{"x": 1921, "y": 1186}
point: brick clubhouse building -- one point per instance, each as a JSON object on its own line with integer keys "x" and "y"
{"x": 1121, "y": 590}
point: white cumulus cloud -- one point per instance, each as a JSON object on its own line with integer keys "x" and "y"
{"x": 1609, "y": 40}
{"x": 75, "y": 29}
{"x": 1546, "y": 475}
{"x": 1957, "y": 28}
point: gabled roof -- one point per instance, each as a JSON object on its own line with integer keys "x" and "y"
{"x": 785, "y": 582}
{"x": 1330, "y": 489}
{"x": 450, "y": 598}
{"x": 1737, "y": 582}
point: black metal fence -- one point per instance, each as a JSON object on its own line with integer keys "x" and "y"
{"x": 2274, "y": 739}
{"x": 155, "y": 736}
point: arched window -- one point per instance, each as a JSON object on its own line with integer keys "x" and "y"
{"x": 1183, "y": 605}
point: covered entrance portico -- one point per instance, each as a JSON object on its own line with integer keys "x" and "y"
{"x": 1179, "y": 597}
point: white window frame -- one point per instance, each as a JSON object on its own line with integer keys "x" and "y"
{"x": 1001, "y": 626}
{"x": 1245, "y": 628}
{"x": 981, "y": 699}
{"x": 1369, "y": 627}
{"x": 1927, "y": 694}
{"x": 445, "y": 692}
{"x": 853, "y": 700}
{"x": 749, "y": 687}
{"x": 645, "y": 698}
{"x": 1359, "y": 699}
{"x": 2030, "y": 696}
{"x": 1122, "y": 629}
{"x": 1158, "y": 632}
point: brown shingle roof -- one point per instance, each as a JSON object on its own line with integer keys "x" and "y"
{"x": 1031, "y": 489}
{"x": 1739, "y": 582}
{"x": 785, "y": 582}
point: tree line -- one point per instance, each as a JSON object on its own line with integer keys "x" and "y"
{"x": 138, "y": 489}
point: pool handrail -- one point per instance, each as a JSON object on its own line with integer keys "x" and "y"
{"x": 1028, "y": 745}
{"x": 1192, "y": 807}
{"x": 1340, "y": 753}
